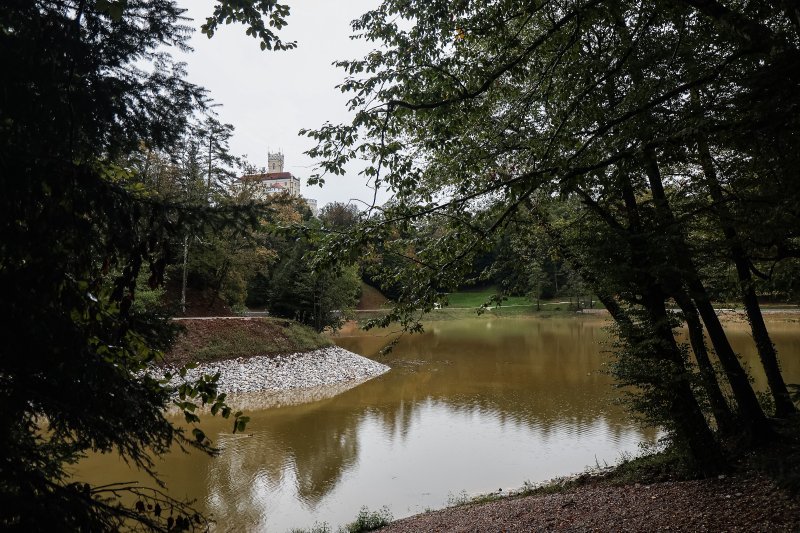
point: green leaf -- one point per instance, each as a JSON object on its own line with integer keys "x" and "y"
{"x": 240, "y": 423}
{"x": 199, "y": 436}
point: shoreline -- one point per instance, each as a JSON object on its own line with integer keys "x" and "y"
{"x": 738, "y": 502}
{"x": 264, "y": 381}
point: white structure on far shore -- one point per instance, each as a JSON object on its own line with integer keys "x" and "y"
{"x": 276, "y": 181}
{"x": 312, "y": 204}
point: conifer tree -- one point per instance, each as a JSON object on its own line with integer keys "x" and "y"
{"x": 86, "y": 85}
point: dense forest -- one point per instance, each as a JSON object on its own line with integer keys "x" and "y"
{"x": 644, "y": 153}
{"x": 651, "y": 147}
{"x": 95, "y": 117}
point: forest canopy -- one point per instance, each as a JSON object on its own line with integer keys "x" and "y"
{"x": 652, "y": 146}
{"x": 89, "y": 89}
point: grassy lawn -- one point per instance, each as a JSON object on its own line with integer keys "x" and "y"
{"x": 464, "y": 304}
{"x": 449, "y": 313}
{"x": 476, "y": 298}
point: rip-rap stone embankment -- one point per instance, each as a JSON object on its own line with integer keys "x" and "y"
{"x": 305, "y": 370}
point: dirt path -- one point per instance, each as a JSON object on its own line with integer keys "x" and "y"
{"x": 729, "y": 504}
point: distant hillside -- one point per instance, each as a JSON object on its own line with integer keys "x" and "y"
{"x": 215, "y": 339}
{"x": 371, "y": 298}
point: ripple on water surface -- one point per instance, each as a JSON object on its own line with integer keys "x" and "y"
{"x": 466, "y": 408}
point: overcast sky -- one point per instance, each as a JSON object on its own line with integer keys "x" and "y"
{"x": 269, "y": 96}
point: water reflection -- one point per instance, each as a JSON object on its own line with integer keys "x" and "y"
{"x": 469, "y": 405}
{"x": 540, "y": 374}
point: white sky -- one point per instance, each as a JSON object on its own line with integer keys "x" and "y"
{"x": 269, "y": 96}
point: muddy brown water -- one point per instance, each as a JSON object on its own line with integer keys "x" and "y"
{"x": 469, "y": 407}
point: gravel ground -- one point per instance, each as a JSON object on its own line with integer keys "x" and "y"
{"x": 729, "y": 504}
{"x": 306, "y": 370}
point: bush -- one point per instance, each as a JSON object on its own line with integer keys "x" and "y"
{"x": 368, "y": 520}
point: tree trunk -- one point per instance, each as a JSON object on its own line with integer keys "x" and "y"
{"x": 719, "y": 407}
{"x": 208, "y": 179}
{"x": 676, "y": 395}
{"x": 185, "y": 263}
{"x": 749, "y": 409}
{"x": 690, "y": 423}
{"x": 766, "y": 350}
{"x": 555, "y": 277}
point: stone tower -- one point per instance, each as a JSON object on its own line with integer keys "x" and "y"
{"x": 275, "y": 162}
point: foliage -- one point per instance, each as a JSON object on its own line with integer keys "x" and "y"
{"x": 636, "y": 144}
{"x": 88, "y": 84}
{"x": 224, "y": 261}
{"x": 486, "y": 297}
{"x": 319, "y": 297}
{"x": 316, "y": 528}
{"x": 369, "y": 520}
{"x": 463, "y": 498}
{"x": 283, "y": 217}
{"x": 148, "y": 300}
{"x": 337, "y": 216}
{"x": 252, "y": 14}
{"x": 275, "y": 269}
{"x": 365, "y": 521}
{"x": 199, "y": 170}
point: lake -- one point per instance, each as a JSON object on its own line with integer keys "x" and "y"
{"x": 470, "y": 406}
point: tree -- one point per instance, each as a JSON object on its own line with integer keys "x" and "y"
{"x": 477, "y": 111}
{"x": 213, "y": 137}
{"x": 218, "y": 261}
{"x": 320, "y": 297}
{"x": 337, "y": 216}
{"x": 87, "y": 85}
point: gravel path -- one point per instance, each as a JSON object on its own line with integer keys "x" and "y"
{"x": 729, "y": 504}
{"x": 305, "y": 370}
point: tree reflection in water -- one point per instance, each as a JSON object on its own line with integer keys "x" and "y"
{"x": 472, "y": 405}
{"x": 542, "y": 381}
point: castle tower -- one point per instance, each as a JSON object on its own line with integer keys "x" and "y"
{"x": 275, "y": 162}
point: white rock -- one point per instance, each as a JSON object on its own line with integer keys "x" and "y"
{"x": 326, "y": 366}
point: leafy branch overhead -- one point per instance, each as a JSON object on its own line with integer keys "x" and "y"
{"x": 647, "y": 143}
{"x": 263, "y": 18}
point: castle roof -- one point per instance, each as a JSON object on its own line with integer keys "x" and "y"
{"x": 267, "y": 176}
